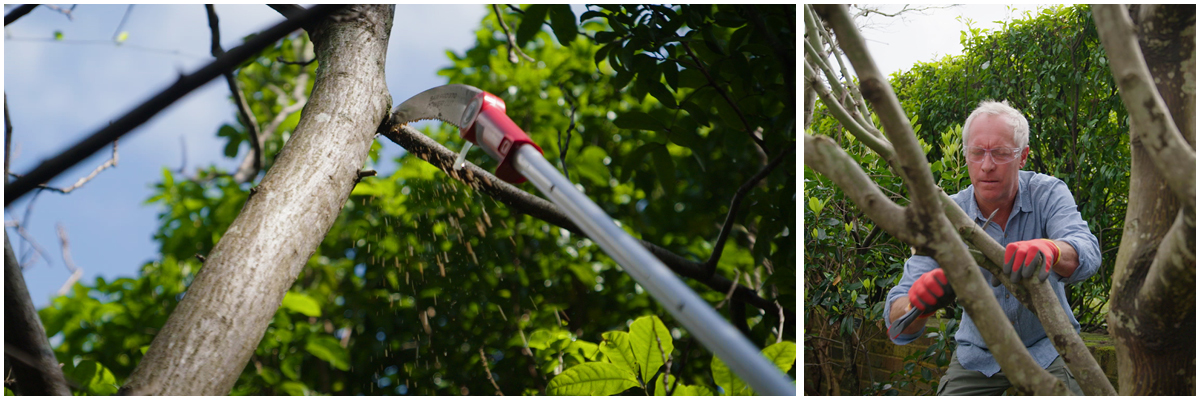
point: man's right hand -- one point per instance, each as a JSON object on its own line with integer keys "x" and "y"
{"x": 931, "y": 292}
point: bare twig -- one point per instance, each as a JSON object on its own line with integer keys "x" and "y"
{"x": 117, "y": 33}
{"x": 483, "y": 359}
{"x": 737, "y": 277}
{"x": 732, "y": 104}
{"x": 300, "y": 63}
{"x": 562, "y": 148}
{"x": 143, "y": 112}
{"x": 711, "y": 264}
{"x": 7, "y": 138}
{"x": 111, "y": 163}
{"x": 26, "y": 261}
{"x": 18, "y": 12}
{"x": 254, "y": 160}
{"x": 66, "y": 11}
{"x": 513, "y": 49}
{"x": 76, "y": 272}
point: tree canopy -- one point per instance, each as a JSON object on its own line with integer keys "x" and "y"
{"x": 425, "y": 285}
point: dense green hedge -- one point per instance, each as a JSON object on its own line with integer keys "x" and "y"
{"x": 1050, "y": 66}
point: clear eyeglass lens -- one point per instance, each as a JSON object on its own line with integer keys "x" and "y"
{"x": 1000, "y": 155}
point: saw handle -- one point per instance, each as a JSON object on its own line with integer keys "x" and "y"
{"x": 489, "y": 127}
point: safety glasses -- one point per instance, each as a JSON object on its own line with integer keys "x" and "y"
{"x": 1000, "y": 155}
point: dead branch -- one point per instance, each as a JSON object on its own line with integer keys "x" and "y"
{"x": 76, "y": 272}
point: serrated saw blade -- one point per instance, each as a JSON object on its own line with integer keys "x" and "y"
{"x": 445, "y": 103}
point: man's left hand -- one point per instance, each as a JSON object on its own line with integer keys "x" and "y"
{"x": 1025, "y": 257}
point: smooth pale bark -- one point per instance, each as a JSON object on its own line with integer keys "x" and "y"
{"x": 35, "y": 370}
{"x": 927, "y": 224}
{"x": 208, "y": 340}
{"x": 1152, "y": 315}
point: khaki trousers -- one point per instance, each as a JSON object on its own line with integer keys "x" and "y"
{"x": 959, "y": 381}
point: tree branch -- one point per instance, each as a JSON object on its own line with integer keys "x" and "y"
{"x": 479, "y": 179}
{"x": 18, "y": 12}
{"x": 55, "y": 166}
{"x": 1150, "y": 122}
{"x": 253, "y": 162}
{"x": 926, "y": 223}
{"x": 1172, "y": 274}
{"x": 39, "y": 373}
{"x": 76, "y": 272}
{"x": 877, "y": 143}
{"x": 711, "y": 264}
{"x": 513, "y": 49}
{"x": 732, "y": 104}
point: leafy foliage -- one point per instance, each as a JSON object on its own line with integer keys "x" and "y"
{"x": 1052, "y": 68}
{"x": 423, "y": 282}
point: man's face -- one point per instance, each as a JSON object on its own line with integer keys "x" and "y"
{"x": 995, "y": 183}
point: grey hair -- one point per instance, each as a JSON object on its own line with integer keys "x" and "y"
{"x": 1015, "y": 120}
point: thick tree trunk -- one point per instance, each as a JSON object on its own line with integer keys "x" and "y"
{"x": 27, "y": 352}
{"x": 210, "y": 337}
{"x": 1156, "y": 337}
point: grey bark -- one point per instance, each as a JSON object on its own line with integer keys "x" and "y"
{"x": 208, "y": 340}
{"x": 1153, "y": 306}
{"x": 27, "y": 352}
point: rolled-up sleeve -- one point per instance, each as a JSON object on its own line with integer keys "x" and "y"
{"x": 1065, "y": 223}
{"x": 913, "y": 269}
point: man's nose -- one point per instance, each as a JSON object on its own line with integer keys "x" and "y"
{"x": 987, "y": 164}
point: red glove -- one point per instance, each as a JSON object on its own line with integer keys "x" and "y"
{"x": 1023, "y": 258}
{"x": 931, "y": 292}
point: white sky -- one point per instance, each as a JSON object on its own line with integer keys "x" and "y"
{"x": 899, "y": 42}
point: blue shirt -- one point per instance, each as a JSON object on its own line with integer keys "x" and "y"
{"x": 1043, "y": 208}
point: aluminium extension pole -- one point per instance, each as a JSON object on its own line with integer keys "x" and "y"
{"x": 693, "y": 312}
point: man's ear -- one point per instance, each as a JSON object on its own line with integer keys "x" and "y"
{"x": 1024, "y": 156}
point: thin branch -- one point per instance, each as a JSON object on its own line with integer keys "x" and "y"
{"x": 732, "y": 104}
{"x": 106, "y": 43}
{"x": 18, "y": 12}
{"x": 186, "y": 84}
{"x": 7, "y": 138}
{"x": 731, "y": 216}
{"x": 1154, "y": 129}
{"x": 117, "y": 33}
{"x": 562, "y": 149}
{"x": 480, "y": 180}
{"x": 877, "y": 143}
{"x": 300, "y": 63}
{"x": 64, "y": 11}
{"x": 513, "y": 49}
{"x": 37, "y": 248}
{"x": 737, "y": 278}
{"x": 76, "y": 272}
{"x": 254, "y": 160}
{"x": 483, "y": 359}
{"x": 111, "y": 163}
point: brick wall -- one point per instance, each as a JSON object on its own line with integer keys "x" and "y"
{"x": 876, "y": 357}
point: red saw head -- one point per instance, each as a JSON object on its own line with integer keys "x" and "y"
{"x": 480, "y": 118}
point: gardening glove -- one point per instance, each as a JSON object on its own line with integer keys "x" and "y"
{"x": 1025, "y": 257}
{"x": 931, "y": 292}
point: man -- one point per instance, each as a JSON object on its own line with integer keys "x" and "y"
{"x": 1044, "y": 237}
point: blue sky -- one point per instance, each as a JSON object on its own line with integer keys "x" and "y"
{"x": 61, "y": 92}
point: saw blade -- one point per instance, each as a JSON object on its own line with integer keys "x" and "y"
{"x": 445, "y": 103}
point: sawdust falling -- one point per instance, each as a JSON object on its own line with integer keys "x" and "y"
{"x": 472, "y": 252}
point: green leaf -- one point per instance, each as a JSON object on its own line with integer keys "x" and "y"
{"x": 660, "y": 92}
{"x": 122, "y": 37}
{"x": 616, "y": 347}
{"x": 235, "y": 139}
{"x": 590, "y": 164}
{"x": 664, "y": 167}
{"x": 327, "y": 348}
{"x": 301, "y": 303}
{"x": 633, "y": 160}
{"x": 645, "y": 335}
{"x": 725, "y": 378}
{"x": 531, "y": 23}
{"x": 588, "y": 350}
{"x": 692, "y": 390}
{"x": 562, "y": 22}
{"x": 291, "y": 366}
{"x": 783, "y": 354}
{"x": 58, "y": 35}
{"x": 638, "y": 120}
{"x": 95, "y": 379}
{"x": 591, "y": 379}
{"x": 295, "y": 389}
